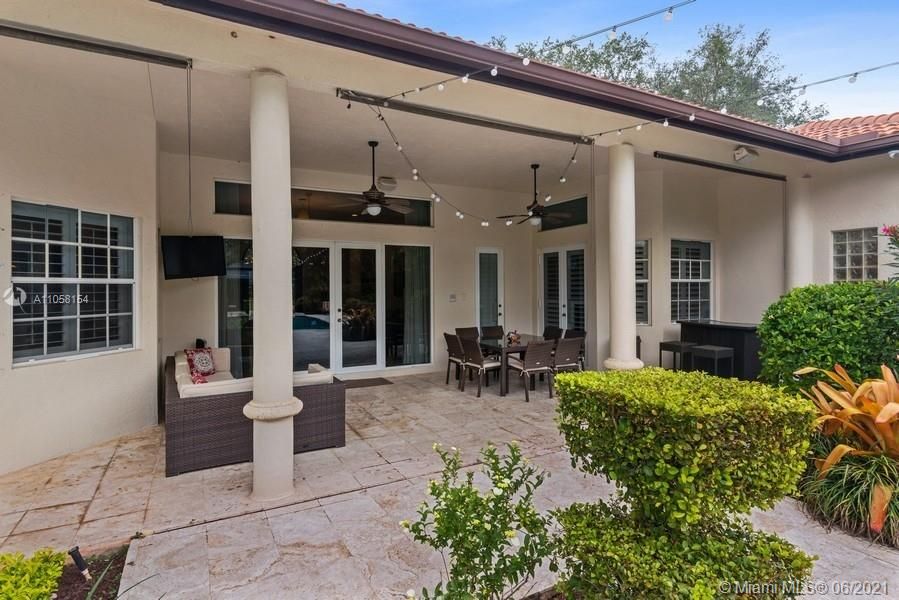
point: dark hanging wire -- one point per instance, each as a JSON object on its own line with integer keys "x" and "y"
{"x": 190, "y": 214}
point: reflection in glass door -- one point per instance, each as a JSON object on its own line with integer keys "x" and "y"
{"x": 311, "y": 306}
{"x": 489, "y": 287}
{"x": 357, "y": 310}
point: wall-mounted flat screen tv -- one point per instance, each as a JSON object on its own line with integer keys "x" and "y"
{"x": 185, "y": 257}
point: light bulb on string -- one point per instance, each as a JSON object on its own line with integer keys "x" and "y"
{"x": 639, "y": 127}
{"x": 669, "y": 15}
{"x": 494, "y": 71}
{"x": 692, "y": 117}
{"x": 548, "y": 198}
{"x": 613, "y": 34}
{"x": 562, "y": 179}
{"x": 566, "y": 49}
{"x": 508, "y": 222}
{"x": 485, "y": 223}
{"x": 461, "y": 216}
{"x": 619, "y": 132}
{"x": 433, "y": 195}
{"x": 760, "y": 102}
{"x": 440, "y": 87}
{"x": 437, "y": 198}
{"x": 854, "y": 78}
{"x": 802, "y": 91}
{"x": 724, "y": 110}
{"x": 665, "y": 122}
{"x": 399, "y": 148}
{"x": 525, "y": 61}
{"x": 465, "y": 78}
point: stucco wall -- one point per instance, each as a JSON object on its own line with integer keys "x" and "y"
{"x": 63, "y": 146}
{"x": 189, "y": 306}
{"x": 859, "y": 194}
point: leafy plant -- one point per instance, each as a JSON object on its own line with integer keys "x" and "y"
{"x": 495, "y": 539}
{"x": 853, "y": 324}
{"x": 612, "y": 554}
{"x": 33, "y": 578}
{"x": 867, "y": 416}
{"x": 685, "y": 446}
{"x": 842, "y": 496}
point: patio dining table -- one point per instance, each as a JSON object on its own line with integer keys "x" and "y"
{"x": 503, "y": 349}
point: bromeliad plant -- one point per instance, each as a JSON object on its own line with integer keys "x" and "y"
{"x": 492, "y": 541}
{"x": 866, "y": 416}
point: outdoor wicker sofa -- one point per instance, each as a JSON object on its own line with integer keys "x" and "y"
{"x": 205, "y": 431}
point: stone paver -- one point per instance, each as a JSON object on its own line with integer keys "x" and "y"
{"x": 338, "y": 535}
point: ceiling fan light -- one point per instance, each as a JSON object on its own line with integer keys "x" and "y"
{"x": 535, "y": 221}
{"x": 373, "y": 209}
{"x": 508, "y": 222}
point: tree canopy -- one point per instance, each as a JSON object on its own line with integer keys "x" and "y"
{"x": 725, "y": 70}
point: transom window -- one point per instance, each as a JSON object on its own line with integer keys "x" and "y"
{"x": 691, "y": 280}
{"x": 855, "y": 254}
{"x": 73, "y": 281}
{"x": 642, "y": 272}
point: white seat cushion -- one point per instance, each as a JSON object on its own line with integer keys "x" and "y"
{"x": 516, "y": 363}
{"x": 488, "y": 364}
{"x": 310, "y": 378}
{"x": 216, "y": 388}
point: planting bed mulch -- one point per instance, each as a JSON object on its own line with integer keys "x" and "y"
{"x": 72, "y": 585}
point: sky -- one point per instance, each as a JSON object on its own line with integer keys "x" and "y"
{"x": 814, "y": 39}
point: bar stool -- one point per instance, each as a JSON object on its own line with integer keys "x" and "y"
{"x": 676, "y": 347}
{"x": 715, "y": 353}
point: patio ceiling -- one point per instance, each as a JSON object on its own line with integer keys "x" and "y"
{"x": 325, "y": 135}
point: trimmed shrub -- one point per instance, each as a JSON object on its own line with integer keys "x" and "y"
{"x": 611, "y": 554}
{"x": 855, "y": 325}
{"x": 685, "y": 446}
{"x": 33, "y": 578}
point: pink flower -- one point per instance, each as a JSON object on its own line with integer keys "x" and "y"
{"x": 890, "y": 230}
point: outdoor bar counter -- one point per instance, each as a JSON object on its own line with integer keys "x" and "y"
{"x": 742, "y": 337}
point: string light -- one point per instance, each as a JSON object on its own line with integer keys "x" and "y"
{"x": 665, "y": 122}
{"x": 440, "y": 87}
{"x": 485, "y": 223}
{"x": 494, "y": 71}
{"x": 508, "y": 222}
{"x": 692, "y": 117}
{"x": 854, "y": 78}
{"x": 639, "y": 126}
{"x": 563, "y": 179}
{"x": 465, "y": 78}
{"x": 548, "y": 198}
{"x": 613, "y": 34}
{"x": 525, "y": 61}
{"x": 669, "y": 14}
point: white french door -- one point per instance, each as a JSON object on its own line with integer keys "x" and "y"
{"x": 358, "y": 326}
{"x": 489, "y": 287}
{"x": 563, "y": 288}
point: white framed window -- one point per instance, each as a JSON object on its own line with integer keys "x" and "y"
{"x": 72, "y": 282}
{"x": 643, "y": 286}
{"x": 691, "y": 280}
{"x": 855, "y": 254}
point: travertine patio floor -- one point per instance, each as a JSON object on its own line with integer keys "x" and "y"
{"x": 338, "y": 536}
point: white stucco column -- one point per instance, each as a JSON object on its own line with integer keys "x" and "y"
{"x": 622, "y": 240}
{"x": 273, "y": 405}
{"x": 800, "y": 233}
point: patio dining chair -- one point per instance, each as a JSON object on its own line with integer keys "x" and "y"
{"x": 468, "y": 332}
{"x": 456, "y": 356}
{"x": 492, "y": 332}
{"x": 475, "y": 361}
{"x": 551, "y": 332}
{"x": 568, "y": 355}
{"x": 582, "y": 334}
{"x": 538, "y": 360}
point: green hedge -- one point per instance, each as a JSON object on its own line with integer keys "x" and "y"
{"x": 685, "y": 446}
{"x": 852, "y": 324}
{"x": 610, "y": 554}
{"x": 33, "y": 578}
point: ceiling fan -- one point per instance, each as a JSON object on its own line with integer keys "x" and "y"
{"x": 536, "y": 212}
{"x": 374, "y": 199}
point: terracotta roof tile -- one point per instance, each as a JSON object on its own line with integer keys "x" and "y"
{"x": 873, "y": 126}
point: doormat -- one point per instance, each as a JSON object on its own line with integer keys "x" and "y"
{"x": 364, "y": 383}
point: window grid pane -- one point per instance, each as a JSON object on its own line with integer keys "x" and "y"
{"x": 84, "y": 315}
{"x": 691, "y": 276}
{"x": 855, "y": 255}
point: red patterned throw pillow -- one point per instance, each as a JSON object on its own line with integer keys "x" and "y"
{"x": 200, "y": 363}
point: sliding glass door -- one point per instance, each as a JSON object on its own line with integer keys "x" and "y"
{"x": 355, "y": 306}
{"x": 358, "y": 311}
{"x": 311, "y": 306}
